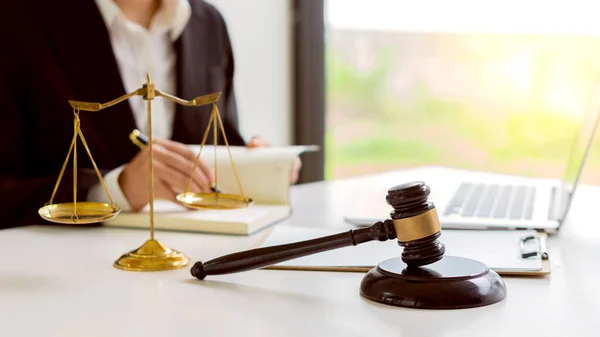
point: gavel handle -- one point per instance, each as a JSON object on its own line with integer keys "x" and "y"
{"x": 262, "y": 257}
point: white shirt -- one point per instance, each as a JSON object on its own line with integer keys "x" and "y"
{"x": 139, "y": 51}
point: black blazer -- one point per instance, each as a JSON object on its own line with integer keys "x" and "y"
{"x": 55, "y": 51}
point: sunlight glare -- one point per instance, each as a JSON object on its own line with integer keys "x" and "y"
{"x": 507, "y": 16}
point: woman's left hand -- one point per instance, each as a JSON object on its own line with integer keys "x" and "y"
{"x": 258, "y": 141}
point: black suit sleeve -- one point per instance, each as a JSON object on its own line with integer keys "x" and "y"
{"x": 22, "y": 190}
{"x": 229, "y": 109}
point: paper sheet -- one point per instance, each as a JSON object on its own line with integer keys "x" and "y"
{"x": 264, "y": 172}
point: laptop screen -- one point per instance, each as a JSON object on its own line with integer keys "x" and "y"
{"x": 580, "y": 149}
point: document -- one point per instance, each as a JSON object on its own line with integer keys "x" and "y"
{"x": 264, "y": 175}
{"x": 499, "y": 250}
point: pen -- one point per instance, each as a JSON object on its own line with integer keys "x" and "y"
{"x": 543, "y": 247}
{"x": 541, "y": 250}
{"x": 138, "y": 138}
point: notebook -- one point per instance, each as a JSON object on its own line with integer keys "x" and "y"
{"x": 265, "y": 178}
{"x": 502, "y": 251}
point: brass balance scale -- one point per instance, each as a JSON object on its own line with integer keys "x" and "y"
{"x": 152, "y": 255}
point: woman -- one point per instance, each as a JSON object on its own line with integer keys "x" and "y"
{"x": 55, "y": 51}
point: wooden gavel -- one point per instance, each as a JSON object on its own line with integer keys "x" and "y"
{"x": 414, "y": 223}
{"x": 422, "y": 277}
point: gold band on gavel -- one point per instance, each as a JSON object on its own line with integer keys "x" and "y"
{"x": 417, "y": 227}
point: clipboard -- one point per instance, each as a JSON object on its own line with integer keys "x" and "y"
{"x": 532, "y": 246}
{"x": 508, "y": 252}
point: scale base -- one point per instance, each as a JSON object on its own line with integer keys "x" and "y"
{"x": 450, "y": 283}
{"x": 152, "y": 256}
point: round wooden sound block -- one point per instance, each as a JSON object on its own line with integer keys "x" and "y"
{"x": 450, "y": 283}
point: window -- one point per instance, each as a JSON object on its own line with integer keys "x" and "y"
{"x": 498, "y": 86}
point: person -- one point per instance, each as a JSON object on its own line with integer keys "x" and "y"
{"x": 96, "y": 51}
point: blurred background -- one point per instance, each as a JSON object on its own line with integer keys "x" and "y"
{"x": 499, "y": 86}
{"x": 481, "y": 87}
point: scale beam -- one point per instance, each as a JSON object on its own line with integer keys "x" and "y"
{"x": 198, "y": 101}
{"x": 91, "y": 106}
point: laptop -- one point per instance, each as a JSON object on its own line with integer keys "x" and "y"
{"x": 482, "y": 200}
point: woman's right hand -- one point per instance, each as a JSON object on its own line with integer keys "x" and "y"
{"x": 173, "y": 163}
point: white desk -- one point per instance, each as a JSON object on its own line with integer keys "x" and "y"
{"x": 60, "y": 282}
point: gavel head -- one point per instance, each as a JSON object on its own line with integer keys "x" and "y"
{"x": 416, "y": 223}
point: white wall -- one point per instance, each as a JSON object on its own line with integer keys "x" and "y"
{"x": 261, "y": 33}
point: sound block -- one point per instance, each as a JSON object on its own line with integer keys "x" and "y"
{"x": 450, "y": 283}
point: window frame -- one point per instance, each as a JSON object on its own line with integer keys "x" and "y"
{"x": 309, "y": 85}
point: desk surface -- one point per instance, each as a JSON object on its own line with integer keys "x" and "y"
{"x": 59, "y": 281}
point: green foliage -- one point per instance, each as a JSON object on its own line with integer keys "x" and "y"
{"x": 535, "y": 136}
{"x": 361, "y": 92}
{"x": 427, "y": 108}
{"x": 385, "y": 149}
{"x": 407, "y": 131}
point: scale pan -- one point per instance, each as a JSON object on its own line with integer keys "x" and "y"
{"x": 87, "y": 212}
{"x": 213, "y": 200}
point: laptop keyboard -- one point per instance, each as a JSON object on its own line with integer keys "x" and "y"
{"x": 492, "y": 201}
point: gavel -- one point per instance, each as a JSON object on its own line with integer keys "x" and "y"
{"x": 422, "y": 277}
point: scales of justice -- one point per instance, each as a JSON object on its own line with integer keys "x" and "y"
{"x": 152, "y": 255}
